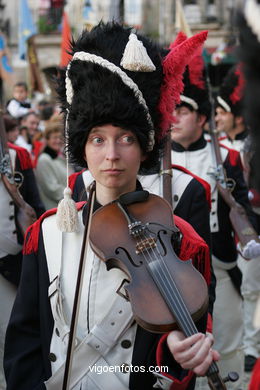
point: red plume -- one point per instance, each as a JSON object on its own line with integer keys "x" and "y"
{"x": 173, "y": 67}
{"x": 196, "y": 70}
{"x": 239, "y": 89}
{"x": 181, "y": 37}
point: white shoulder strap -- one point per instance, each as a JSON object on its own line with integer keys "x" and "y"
{"x": 52, "y": 239}
{"x": 153, "y": 184}
{"x": 94, "y": 346}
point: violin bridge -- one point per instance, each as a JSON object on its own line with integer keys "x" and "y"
{"x": 147, "y": 243}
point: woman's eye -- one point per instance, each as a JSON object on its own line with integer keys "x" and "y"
{"x": 97, "y": 140}
{"x": 127, "y": 139}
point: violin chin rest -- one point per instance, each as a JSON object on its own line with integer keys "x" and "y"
{"x": 133, "y": 197}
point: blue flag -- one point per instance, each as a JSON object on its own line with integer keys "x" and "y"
{"x": 27, "y": 28}
{"x": 87, "y": 8}
{"x": 6, "y": 71}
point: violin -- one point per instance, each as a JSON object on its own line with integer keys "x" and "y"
{"x": 140, "y": 243}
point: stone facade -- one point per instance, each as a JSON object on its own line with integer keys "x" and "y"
{"x": 154, "y": 17}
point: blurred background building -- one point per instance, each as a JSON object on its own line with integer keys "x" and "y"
{"x": 157, "y": 18}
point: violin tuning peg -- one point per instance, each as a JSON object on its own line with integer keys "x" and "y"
{"x": 231, "y": 377}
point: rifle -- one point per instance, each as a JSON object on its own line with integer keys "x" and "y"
{"x": 26, "y": 214}
{"x": 238, "y": 218}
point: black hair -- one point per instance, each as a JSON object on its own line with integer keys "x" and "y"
{"x": 9, "y": 122}
{"x": 21, "y": 84}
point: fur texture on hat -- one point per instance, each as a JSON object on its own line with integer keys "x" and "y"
{"x": 195, "y": 85}
{"x": 101, "y": 97}
{"x": 232, "y": 91}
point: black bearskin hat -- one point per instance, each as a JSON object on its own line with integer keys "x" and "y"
{"x": 195, "y": 94}
{"x": 100, "y": 96}
{"x": 120, "y": 78}
{"x": 230, "y": 96}
{"x": 198, "y": 95}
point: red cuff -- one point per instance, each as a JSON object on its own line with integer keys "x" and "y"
{"x": 209, "y": 324}
{"x": 177, "y": 384}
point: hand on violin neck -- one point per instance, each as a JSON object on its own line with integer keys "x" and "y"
{"x": 194, "y": 352}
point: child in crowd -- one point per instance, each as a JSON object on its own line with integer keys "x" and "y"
{"x": 19, "y": 105}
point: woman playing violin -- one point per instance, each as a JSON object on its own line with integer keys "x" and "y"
{"x": 113, "y": 128}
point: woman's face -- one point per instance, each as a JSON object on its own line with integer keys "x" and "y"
{"x": 13, "y": 135}
{"x": 55, "y": 141}
{"x": 113, "y": 156}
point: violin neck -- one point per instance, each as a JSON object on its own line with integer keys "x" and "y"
{"x": 173, "y": 299}
{"x": 178, "y": 308}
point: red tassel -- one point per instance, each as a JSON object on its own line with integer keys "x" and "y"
{"x": 32, "y": 234}
{"x": 174, "y": 65}
{"x": 23, "y": 156}
{"x": 237, "y": 94}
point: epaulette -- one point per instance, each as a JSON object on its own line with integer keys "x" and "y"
{"x": 22, "y": 155}
{"x": 202, "y": 181}
{"x": 32, "y": 233}
{"x": 73, "y": 177}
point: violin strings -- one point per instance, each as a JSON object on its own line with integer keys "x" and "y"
{"x": 170, "y": 288}
{"x": 187, "y": 326}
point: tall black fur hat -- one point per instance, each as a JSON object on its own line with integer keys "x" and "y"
{"x": 119, "y": 78}
{"x": 231, "y": 92}
{"x": 196, "y": 94}
{"x": 124, "y": 79}
{"x": 100, "y": 94}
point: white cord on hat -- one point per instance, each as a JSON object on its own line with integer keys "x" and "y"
{"x": 190, "y": 101}
{"x": 67, "y": 214}
{"x": 223, "y": 104}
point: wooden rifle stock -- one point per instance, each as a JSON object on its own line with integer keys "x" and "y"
{"x": 238, "y": 217}
{"x": 26, "y": 214}
{"x": 166, "y": 170}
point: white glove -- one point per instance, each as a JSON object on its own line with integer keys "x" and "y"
{"x": 250, "y": 250}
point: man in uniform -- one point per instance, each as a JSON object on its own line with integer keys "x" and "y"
{"x": 11, "y": 239}
{"x": 230, "y": 119}
{"x": 191, "y": 150}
